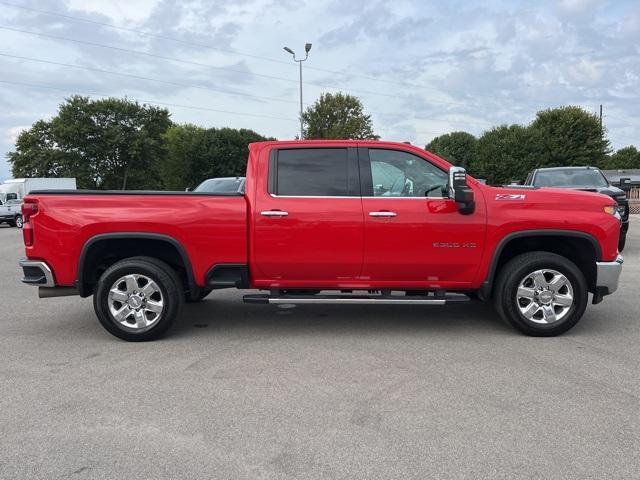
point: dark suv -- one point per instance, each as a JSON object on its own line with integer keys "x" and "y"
{"x": 590, "y": 179}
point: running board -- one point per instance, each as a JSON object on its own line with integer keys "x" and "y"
{"x": 355, "y": 299}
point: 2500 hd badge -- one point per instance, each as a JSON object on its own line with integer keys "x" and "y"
{"x": 455, "y": 245}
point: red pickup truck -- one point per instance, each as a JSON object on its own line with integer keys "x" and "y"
{"x": 328, "y": 221}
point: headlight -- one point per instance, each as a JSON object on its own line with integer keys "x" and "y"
{"x": 610, "y": 209}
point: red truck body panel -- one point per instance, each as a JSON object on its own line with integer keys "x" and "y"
{"x": 211, "y": 229}
{"x": 323, "y": 242}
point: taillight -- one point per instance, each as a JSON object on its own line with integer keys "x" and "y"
{"x": 29, "y": 208}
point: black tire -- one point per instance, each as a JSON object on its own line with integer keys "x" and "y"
{"x": 18, "y": 221}
{"x": 512, "y": 274}
{"x": 169, "y": 288}
{"x": 622, "y": 242}
{"x": 200, "y": 295}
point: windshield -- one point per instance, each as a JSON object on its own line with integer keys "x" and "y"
{"x": 576, "y": 178}
{"x": 221, "y": 185}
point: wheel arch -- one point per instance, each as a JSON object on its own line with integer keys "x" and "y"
{"x": 580, "y": 247}
{"x": 103, "y": 250}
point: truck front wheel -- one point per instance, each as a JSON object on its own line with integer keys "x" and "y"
{"x": 137, "y": 299}
{"x": 541, "y": 294}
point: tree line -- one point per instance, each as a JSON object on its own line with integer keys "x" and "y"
{"x": 116, "y": 143}
{"x": 565, "y": 136}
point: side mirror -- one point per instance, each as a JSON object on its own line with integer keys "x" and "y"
{"x": 625, "y": 184}
{"x": 460, "y": 191}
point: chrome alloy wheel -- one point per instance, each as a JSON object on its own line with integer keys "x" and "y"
{"x": 135, "y": 301}
{"x": 545, "y": 296}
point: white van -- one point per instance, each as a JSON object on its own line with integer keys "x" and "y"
{"x": 17, "y": 188}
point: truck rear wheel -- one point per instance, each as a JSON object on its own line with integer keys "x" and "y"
{"x": 138, "y": 299}
{"x": 541, "y": 294}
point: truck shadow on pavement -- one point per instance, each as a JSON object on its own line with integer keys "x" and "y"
{"x": 224, "y": 315}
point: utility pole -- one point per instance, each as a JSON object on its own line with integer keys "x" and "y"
{"x": 307, "y": 47}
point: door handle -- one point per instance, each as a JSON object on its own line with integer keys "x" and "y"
{"x": 274, "y": 213}
{"x": 382, "y": 213}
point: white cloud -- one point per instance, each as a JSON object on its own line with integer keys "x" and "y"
{"x": 11, "y": 134}
{"x": 116, "y": 9}
{"x": 578, "y": 6}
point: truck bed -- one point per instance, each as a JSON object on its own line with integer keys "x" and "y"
{"x": 212, "y": 228}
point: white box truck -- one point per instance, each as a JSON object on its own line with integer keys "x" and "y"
{"x": 17, "y": 188}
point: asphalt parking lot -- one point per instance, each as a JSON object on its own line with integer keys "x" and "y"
{"x": 240, "y": 391}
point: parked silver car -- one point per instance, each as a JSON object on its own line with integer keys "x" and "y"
{"x": 11, "y": 212}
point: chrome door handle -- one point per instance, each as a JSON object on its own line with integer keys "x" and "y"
{"x": 382, "y": 214}
{"x": 274, "y": 213}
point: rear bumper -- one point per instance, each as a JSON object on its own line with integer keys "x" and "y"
{"x": 608, "y": 277}
{"x": 37, "y": 273}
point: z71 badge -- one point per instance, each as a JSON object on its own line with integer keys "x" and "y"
{"x": 510, "y": 196}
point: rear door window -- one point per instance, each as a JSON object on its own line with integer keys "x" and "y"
{"x": 311, "y": 172}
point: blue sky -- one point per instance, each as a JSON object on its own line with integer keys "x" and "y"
{"x": 421, "y": 68}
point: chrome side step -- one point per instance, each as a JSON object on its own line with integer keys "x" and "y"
{"x": 355, "y": 299}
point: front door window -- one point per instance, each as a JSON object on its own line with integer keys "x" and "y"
{"x": 401, "y": 174}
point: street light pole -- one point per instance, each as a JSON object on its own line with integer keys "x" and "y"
{"x": 307, "y": 47}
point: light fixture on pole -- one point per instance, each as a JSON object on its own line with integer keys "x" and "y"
{"x": 307, "y": 47}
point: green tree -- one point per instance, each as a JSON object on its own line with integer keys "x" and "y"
{"x": 37, "y": 155}
{"x": 456, "y": 147}
{"x": 185, "y": 154}
{"x": 625, "y": 158}
{"x": 505, "y": 153}
{"x": 193, "y": 154}
{"x": 569, "y": 136}
{"x": 337, "y": 116}
{"x": 108, "y": 143}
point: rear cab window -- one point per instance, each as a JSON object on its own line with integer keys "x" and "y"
{"x": 314, "y": 172}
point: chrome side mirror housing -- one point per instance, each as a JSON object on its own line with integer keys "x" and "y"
{"x": 460, "y": 191}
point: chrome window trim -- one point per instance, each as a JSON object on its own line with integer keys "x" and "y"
{"x": 359, "y": 197}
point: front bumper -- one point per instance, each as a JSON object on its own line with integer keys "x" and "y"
{"x": 607, "y": 278}
{"x": 37, "y": 273}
